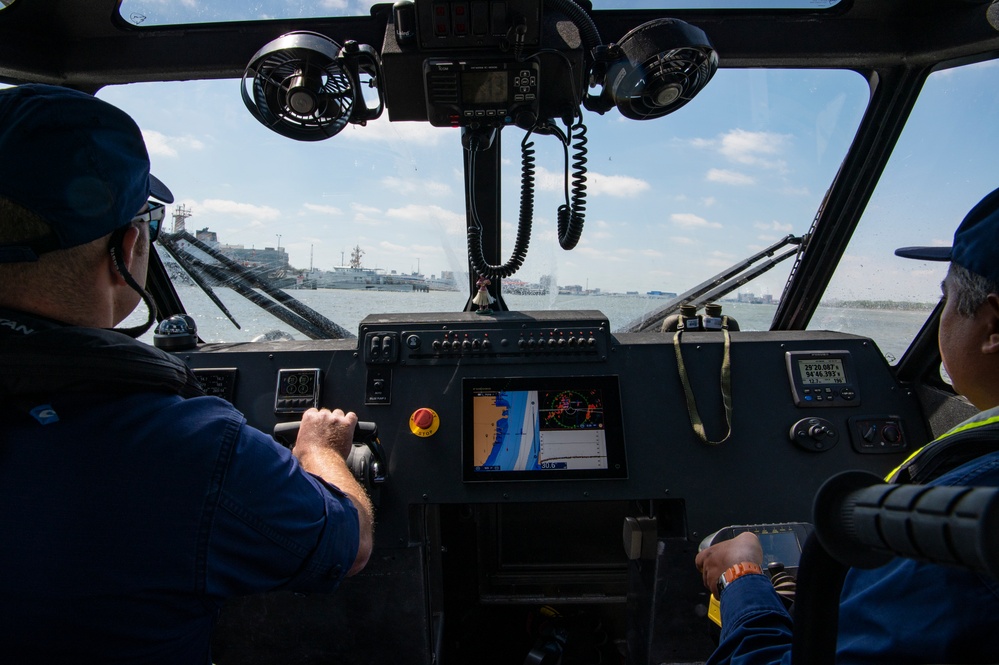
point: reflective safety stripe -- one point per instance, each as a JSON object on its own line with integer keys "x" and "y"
{"x": 959, "y": 429}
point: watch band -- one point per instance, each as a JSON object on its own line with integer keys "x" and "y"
{"x": 735, "y": 572}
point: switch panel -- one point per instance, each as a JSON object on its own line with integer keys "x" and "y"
{"x": 877, "y": 434}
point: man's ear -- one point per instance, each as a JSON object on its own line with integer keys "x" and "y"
{"x": 990, "y": 310}
{"x": 128, "y": 249}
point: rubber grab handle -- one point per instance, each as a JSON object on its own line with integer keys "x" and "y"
{"x": 863, "y": 522}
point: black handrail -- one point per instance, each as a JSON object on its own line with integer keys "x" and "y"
{"x": 862, "y": 522}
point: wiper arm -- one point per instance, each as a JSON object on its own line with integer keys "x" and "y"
{"x": 719, "y": 285}
{"x": 243, "y": 281}
{"x": 197, "y": 275}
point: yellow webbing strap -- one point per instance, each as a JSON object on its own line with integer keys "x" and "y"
{"x": 726, "y": 386}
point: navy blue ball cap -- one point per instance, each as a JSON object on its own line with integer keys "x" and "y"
{"x": 74, "y": 160}
{"x": 976, "y": 241}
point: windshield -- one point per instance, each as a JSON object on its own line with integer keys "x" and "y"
{"x": 917, "y": 202}
{"x": 373, "y": 219}
{"x": 158, "y": 12}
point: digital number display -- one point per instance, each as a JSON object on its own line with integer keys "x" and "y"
{"x": 821, "y": 371}
{"x": 822, "y": 379}
{"x": 490, "y": 87}
{"x": 219, "y": 382}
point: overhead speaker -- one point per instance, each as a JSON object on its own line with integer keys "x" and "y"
{"x": 305, "y": 86}
{"x": 654, "y": 70}
{"x": 992, "y": 14}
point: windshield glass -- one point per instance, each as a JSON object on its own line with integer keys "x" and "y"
{"x": 161, "y": 12}
{"x": 372, "y": 220}
{"x": 945, "y": 162}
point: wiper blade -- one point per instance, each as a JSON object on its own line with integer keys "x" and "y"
{"x": 720, "y": 285}
{"x": 197, "y": 275}
{"x": 243, "y": 281}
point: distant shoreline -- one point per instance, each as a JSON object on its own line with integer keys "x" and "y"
{"x": 880, "y": 304}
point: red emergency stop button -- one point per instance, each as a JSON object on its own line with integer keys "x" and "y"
{"x": 424, "y": 422}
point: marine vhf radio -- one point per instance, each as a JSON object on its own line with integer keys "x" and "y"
{"x": 481, "y": 64}
{"x": 461, "y": 93}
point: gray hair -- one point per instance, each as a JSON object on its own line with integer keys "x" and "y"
{"x": 969, "y": 290}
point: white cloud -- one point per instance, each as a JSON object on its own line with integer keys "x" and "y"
{"x": 753, "y": 148}
{"x": 413, "y": 133}
{"x": 161, "y": 145}
{"x": 726, "y": 177}
{"x": 773, "y": 226}
{"x": 597, "y": 184}
{"x": 362, "y": 209}
{"x": 758, "y": 149}
{"x": 614, "y": 185}
{"x": 690, "y": 220}
{"x": 249, "y": 211}
{"x": 323, "y": 210}
{"x": 451, "y": 221}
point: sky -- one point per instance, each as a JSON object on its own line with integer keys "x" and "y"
{"x": 670, "y": 201}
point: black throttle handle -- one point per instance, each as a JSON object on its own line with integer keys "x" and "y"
{"x": 367, "y": 459}
{"x": 287, "y": 433}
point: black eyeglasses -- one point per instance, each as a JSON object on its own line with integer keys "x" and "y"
{"x": 154, "y": 216}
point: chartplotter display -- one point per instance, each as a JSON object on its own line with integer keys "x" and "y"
{"x": 548, "y": 428}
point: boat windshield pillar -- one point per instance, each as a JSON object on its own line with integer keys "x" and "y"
{"x": 482, "y": 156}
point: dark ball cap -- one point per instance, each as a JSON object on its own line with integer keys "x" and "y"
{"x": 976, "y": 242}
{"x": 74, "y": 160}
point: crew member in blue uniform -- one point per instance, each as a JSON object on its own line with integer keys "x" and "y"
{"x": 133, "y": 506}
{"x": 905, "y": 611}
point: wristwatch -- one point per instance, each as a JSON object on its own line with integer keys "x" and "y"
{"x": 735, "y": 572}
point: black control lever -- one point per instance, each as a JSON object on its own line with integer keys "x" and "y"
{"x": 367, "y": 459}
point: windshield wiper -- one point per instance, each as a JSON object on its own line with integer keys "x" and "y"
{"x": 718, "y": 286}
{"x": 197, "y": 276}
{"x": 243, "y": 281}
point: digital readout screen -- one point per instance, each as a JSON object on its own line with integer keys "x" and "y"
{"x": 780, "y": 547}
{"x": 485, "y": 87}
{"x": 821, "y": 371}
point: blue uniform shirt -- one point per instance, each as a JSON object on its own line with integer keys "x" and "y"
{"x": 903, "y": 612}
{"x": 128, "y": 520}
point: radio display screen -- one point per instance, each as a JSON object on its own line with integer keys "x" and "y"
{"x": 542, "y": 428}
{"x": 485, "y": 87}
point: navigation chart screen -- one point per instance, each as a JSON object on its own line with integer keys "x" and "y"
{"x": 542, "y": 428}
